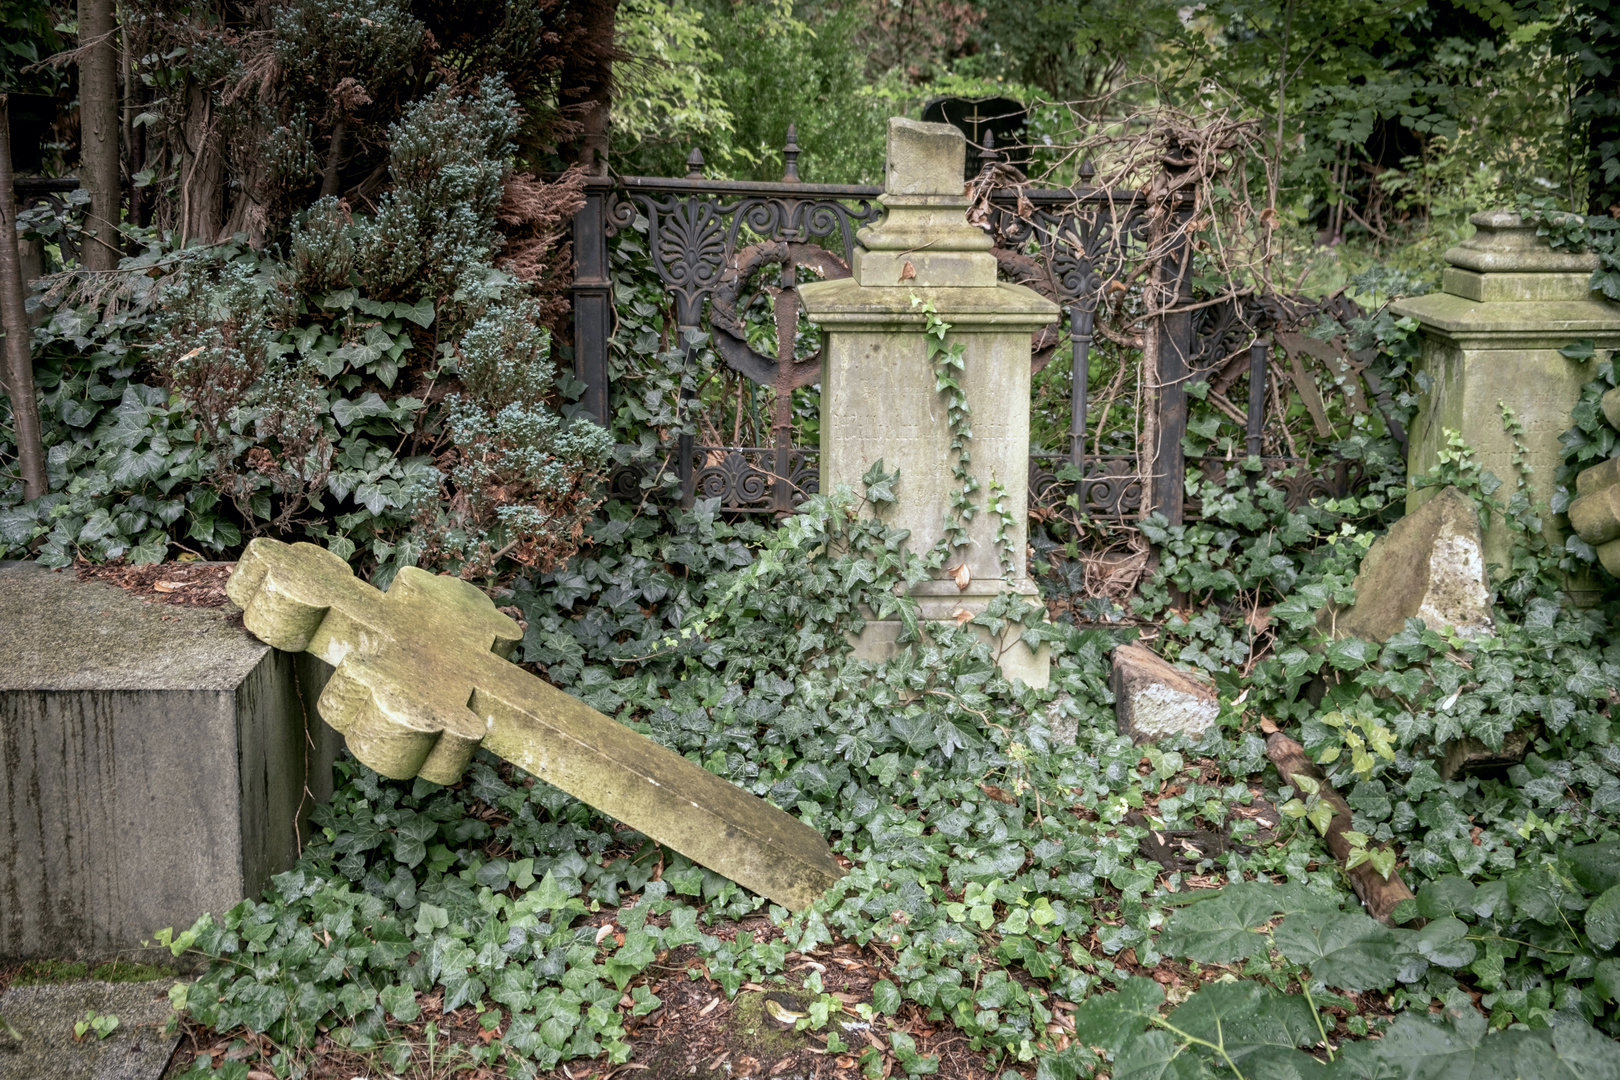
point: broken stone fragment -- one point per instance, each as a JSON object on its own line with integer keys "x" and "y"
{"x": 1154, "y": 699}
{"x": 421, "y": 683}
{"x": 1596, "y": 516}
{"x": 1469, "y": 755}
{"x": 1595, "y": 513}
{"x": 1431, "y": 565}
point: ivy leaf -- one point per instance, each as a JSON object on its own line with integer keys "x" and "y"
{"x": 885, "y": 997}
{"x": 1346, "y": 950}
{"x": 1348, "y": 654}
{"x": 879, "y": 484}
{"x": 1603, "y": 919}
{"x": 421, "y": 314}
{"x": 401, "y": 1003}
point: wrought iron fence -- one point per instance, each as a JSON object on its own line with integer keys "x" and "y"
{"x": 706, "y": 237}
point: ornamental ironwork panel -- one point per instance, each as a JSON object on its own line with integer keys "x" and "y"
{"x": 1105, "y": 485}
{"x": 1293, "y": 476}
{"x": 709, "y": 239}
{"x": 744, "y": 478}
{"x": 695, "y": 227}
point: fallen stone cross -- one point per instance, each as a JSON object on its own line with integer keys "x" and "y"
{"x": 422, "y": 682}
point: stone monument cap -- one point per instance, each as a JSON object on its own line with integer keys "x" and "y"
{"x": 924, "y": 159}
{"x": 1503, "y": 242}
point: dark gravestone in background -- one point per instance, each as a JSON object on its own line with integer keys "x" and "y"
{"x": 1007, "y": 120}
{"x": 31, "y": 118}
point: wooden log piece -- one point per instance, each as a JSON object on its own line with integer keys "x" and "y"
{"x": 1378, "y": 894}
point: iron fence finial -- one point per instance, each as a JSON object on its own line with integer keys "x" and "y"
{"x": 790, "y": 156}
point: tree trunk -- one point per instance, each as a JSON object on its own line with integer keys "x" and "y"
{"x": 332, "y": 176}
{"x": 585, "y": 91}
{"x": 98, "y": 132}
{"x": 19, "y": 358}
{"x": 134, "y": 136}
{"x": 202, "y": 172}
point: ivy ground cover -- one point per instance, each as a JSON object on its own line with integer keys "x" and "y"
{"x": 1000, "y": 902}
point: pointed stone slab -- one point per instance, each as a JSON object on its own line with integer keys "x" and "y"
{"x": 421, "y": 682}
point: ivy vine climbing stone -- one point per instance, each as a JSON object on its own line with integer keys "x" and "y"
{"x": 421, "y": 682}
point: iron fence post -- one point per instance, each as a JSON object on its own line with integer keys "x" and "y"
{"x": 1081, "y": 323}
{"x": 1175, "y": 347}
{"x": 1259, "y": 357}
{"x": 593, "y": 298}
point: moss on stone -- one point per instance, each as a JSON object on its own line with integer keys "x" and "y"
{"x": 54, "y": 972}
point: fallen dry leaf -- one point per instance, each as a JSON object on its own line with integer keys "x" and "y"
{"x": 960, "y": 574}
{"x": 780, "y": 1066}
{"x": 169, "y": 586}
{"x": 603, "y": 931}
{"x": 962, "y": 615}
{"x": 997, "y": 794}
{"x": 710, "y": 1007}
{"x": 907, "y": 272}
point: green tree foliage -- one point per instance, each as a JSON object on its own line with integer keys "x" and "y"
{"x": 729, "y": 77}
{"x": 215, "y": 393}
{"x": 28, "y": 35}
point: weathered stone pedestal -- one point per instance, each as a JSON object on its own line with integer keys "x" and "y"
{"x": 153, "y": 762}
{"x": 1491, "y": 337}
{"x": 878, "y": 394}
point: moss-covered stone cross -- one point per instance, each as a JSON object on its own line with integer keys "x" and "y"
{"x": 421, "y": 682}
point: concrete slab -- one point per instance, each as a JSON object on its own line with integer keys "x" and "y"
{"x": 44, "y": 1016}
{"x": 154, "y": 760}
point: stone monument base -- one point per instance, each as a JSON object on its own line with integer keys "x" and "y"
{"x": 156, "y": 763}
{"x": 942, "y": 601}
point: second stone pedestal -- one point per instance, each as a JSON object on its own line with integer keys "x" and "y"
{"x": 879, "y": 395}
{"x": 1491, "y": 339}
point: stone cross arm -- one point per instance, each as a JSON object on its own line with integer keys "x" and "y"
{"x": 421, "y": 681}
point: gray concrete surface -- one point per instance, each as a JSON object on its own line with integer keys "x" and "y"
{"x": 44, "y": 1016}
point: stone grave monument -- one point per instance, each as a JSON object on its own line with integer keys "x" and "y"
{"x": 880, "y": 399}
{"x": 1508, "y": 303}
{"x": 421, "y": 682}
{"x": 155, "y": 763}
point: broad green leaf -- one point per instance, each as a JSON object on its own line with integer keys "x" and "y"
{"x": 1112, "y": 1020}
{"x": 1447, "y": 897}
{"x": 1223, "y": 929}
{"x": 1158, "y": 1055}
{"x": 1596, "y": 866}
{"x": 1444, "y": 943}
{"x": 1243, "y": 1017}
{"x": 1346, "y": 950}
